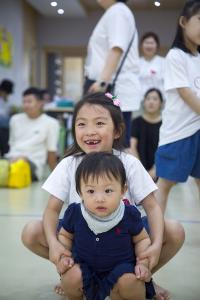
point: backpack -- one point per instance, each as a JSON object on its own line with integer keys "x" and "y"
{"x": 20, "y": 174}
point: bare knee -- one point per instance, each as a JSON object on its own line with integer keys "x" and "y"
{"x": 130, "y": 287}
{"x": 72, "y": 281}
{"x": 32, "y": 233}
{"x": 174, "y": 233}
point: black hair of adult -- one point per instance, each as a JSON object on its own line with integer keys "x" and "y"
{"x": 44, "y": 91}
{"x": 191, "y": 8}
{"x": 115, "y": 112}
{"x": 33, "y": 91}
{"x": 154, "y": 90}
{"x": 100, "y": 164}
{"x": 150, "y": 34}
{"x": 7, "y": 86}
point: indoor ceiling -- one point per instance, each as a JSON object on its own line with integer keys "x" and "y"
{"x": 81, "y": 8}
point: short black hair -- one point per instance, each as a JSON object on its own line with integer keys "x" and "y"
{"x": 150, "y": 34}
{"x": 98, "y": 164}
{"x": 191, "y": 8}
{"x": 7, "y": 86}
{"x": 44, "y": 91}
{"x": 122, "y": 1}
{"x": 33, "y": 91}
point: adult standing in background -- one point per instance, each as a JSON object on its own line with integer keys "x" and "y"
{"x": 107, "y": 45}
{"x": 151, "y": 64}
{"x": 6, "y": 88}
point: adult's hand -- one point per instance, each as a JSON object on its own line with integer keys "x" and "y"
{"x": 95, "y": 87}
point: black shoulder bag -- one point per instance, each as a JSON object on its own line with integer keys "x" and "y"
{"x": 111, "y": 86}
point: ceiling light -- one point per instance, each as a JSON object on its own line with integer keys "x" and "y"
{"x": 60, "y": 11}
{"x": 157, "y": 3}
{"x": 54, "y": 3}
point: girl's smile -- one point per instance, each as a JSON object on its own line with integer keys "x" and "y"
{"x": 94, "y": 129}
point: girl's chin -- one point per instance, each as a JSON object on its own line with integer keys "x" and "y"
{"x": 91, "y": 148}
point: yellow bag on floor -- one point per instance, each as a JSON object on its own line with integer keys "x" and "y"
{"x": 4, "y": 172}
{"x": 20, "y": 174}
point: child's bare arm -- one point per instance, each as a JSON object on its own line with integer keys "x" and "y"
{"x": 66, "y": 238}
{"x": 142, "y": 242}
{"x": 65, "y": 262}
{"x": 50, "y": 221}
{"x": 156, "y": 224}
{"x": 190, "y": 98}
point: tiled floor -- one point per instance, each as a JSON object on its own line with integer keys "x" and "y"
{"x": 24, "y": 276}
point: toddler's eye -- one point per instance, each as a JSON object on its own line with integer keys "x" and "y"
{"x": 108, "y": 191}
{"x": 90, "y": 191}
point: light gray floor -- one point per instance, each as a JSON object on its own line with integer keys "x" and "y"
{"x": 24, "y": 276}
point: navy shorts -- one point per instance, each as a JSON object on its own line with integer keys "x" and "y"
{"x": 178, "y": 160}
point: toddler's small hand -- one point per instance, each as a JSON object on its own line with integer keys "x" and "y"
{"x": 64, "y": 264}
{"x": 152, "y": 254}
{"x": 142, "y": 272}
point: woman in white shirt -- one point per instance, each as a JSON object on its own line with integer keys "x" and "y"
{"x": 107, "y": 46}
{"x": 151, "y": 64}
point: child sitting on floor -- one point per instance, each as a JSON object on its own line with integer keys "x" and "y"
{"x": 106, "y": 234}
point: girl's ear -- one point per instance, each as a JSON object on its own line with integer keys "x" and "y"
{"x": 124, "y": 189}
{"x": 118, "y": 133}
{"x": 182, "y": 21}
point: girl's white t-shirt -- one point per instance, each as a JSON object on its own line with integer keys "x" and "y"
{"x": 61, "y": 182}
{"x": 179, "y": 121}
{"x": 152, "y": 73}
{"x": 115, "y": 29}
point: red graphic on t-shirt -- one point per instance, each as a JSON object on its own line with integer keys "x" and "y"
{"x": 153, "y": 72}
{"x": 118, "y": 230}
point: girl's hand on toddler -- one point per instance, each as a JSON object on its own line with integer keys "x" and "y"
{"x": 152, "y": 254}
{"x": 64, "y": 264}
{"x": 56, "y": 250}
{"x": 142, "y": 272}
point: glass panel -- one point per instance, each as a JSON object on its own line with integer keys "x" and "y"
{"x": 73, "y": 77}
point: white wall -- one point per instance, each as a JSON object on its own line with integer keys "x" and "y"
{"x": 65, "y": 32}
{"x": 163, "y": 23}
{"x": 11, "y": 17}
{"x": 75, "y": 32}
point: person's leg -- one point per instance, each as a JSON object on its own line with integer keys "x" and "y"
{"x": 72, "y": 283}
{"x": 128, "y": 287}
{"x": 114, "y": 295}
{"x": 173, "y": 239}
{"x": 4, "y": 136}
{"x": 198, "y": 185}
{"x": 164, "y": 187}
{"x": 127, "y": 121}
{"x": 33, "y": 237}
